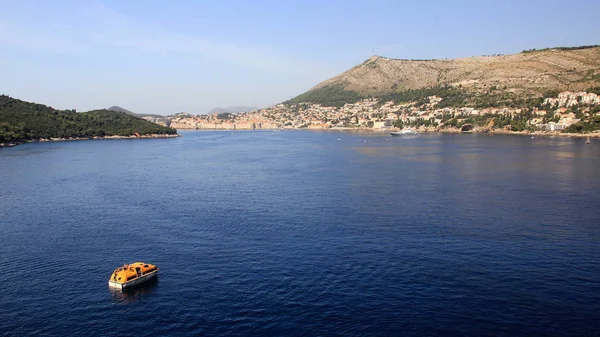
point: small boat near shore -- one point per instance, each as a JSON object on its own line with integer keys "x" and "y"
{"x": 132, "y": 274}
{"x": 588, "y": 141}
{"x": 404, "y": 132}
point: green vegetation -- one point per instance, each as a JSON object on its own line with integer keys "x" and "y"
{"x": 589, "y": 121}
{"x": 589, "y": 125}
{"x": 21, "y": 121}
{"x": 452, "y": 96}
{"x": 560, "y": 48}
{"x": 517, "y": 122}
{"x": 505, "y": 100}
{"x": 119, "y": 109}
{"x": 330, "y": 95}
{"x": 595, "y": 90}
{"x": 225, "y": 115}
{"x": 337, "y": 96}
{"x": 11, "y": 134}
{"x": 457, "y": 96}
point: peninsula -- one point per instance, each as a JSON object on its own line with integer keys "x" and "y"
{"x": 22, "y": 121}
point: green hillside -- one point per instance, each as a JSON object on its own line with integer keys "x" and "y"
{"x": 119, "y": 109}
{"x": 21, "y": 121}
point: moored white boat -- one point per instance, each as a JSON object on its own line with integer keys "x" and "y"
{"x": 404, "y": 132}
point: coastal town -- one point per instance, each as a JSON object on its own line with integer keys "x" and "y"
{"x": 554, "y": 114}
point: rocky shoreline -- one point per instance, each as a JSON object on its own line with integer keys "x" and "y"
{"x": 547, "y": 133}
{"x": 44, "y": 140}
{"x": 530, "y": 133}
{"x": 456, "y": 130}
{"x": 522, "y": 133}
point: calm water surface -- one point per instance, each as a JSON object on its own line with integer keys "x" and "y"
{"x": 297, "y": 233}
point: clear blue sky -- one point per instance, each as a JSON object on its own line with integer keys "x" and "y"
{"x": 167, "y": 56}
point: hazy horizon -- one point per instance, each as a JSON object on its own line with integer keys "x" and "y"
{"x": 164, "y": 57}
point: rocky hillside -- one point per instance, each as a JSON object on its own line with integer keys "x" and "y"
{"x": 527, "y": 74}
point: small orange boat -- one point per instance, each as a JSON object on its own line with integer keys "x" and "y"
{"x": 132, "y": 274}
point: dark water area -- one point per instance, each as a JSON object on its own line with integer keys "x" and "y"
{"x": 297, "y": 233}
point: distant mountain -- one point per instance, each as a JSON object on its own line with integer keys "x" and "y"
{"x": 119, "y": 109}
{"x": 233, "y": 109}
{"x": 496, "y": 78}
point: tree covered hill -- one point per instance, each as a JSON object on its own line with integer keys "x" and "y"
{"x": 21, "y": 121}
{"x": 119, "y": 109}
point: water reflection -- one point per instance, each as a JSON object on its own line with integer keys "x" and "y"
{"x": 135, "y": 293}
{"x": 25, "y": 150}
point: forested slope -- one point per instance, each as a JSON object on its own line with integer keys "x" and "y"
{"x": 21, "y": 121}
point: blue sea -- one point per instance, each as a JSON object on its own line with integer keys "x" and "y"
{"x": 300, "y": 233}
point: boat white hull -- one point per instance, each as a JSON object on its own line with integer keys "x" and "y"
{"x": 131, "y": 283}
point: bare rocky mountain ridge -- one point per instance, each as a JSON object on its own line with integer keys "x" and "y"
{"x": 528, "y": 73}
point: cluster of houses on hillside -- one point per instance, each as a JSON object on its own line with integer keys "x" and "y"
{"x": 569, "y": 99}
{"x": 370, "y": 113}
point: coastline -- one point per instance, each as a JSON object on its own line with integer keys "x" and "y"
{"x": 44, "y": 140}
{"x": 420, "y": 130}
{"x": 531, "y": 133}
{"x": 366, "y": 130}
{"x": 491, "y": 132}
